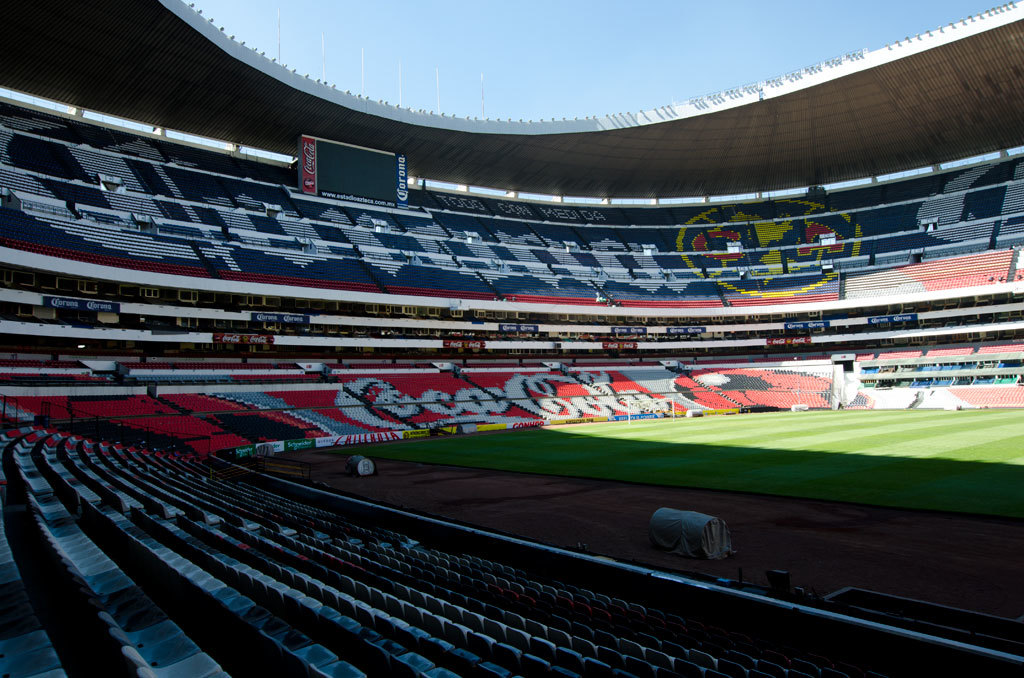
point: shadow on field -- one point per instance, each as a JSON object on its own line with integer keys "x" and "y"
{"x": 879, "y": 479}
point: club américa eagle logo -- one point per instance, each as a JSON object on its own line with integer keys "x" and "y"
{"x": 796, "y": 238}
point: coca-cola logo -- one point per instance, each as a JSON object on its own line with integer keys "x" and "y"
{"x": 617, "y": 345}
{"x": 243, "y": 338}
{"x": 309, "y": 156}
{"x": 457, "y": 343}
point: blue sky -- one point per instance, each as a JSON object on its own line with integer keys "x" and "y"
{"x": 567, "y": 58}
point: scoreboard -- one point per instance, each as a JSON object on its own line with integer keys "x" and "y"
{"x": 332, "y": 169}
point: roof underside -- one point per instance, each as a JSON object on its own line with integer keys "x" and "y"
{"x": 139, "y": 60}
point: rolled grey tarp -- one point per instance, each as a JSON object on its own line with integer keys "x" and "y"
{"x": 690, "y": 534}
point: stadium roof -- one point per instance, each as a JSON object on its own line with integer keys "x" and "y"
{"x": 956, "y": 92}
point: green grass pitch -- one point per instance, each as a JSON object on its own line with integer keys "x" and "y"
{"x": 969, "y": 461}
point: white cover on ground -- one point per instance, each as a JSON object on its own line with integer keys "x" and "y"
{"x": 940, "y": 399}
{"x": 892, "y": 398}
{"x": 691, "y": 534}
{"x": 901, "y": 398}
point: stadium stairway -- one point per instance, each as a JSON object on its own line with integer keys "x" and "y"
{"x": 721, "y": 295}
{"x": 497, "y": 294}
{"x": 207, "y": 264}
{"x": 366, "y": 270}
{"x": 231, "y": 426}
{"x": 173, "y": 405}
{"x": 1014, "y": 264}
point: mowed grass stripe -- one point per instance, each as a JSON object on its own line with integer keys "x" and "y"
{"x": 831, "y": 435}
{"x": 754, "y": 429}
{"x": 970, "y": 461}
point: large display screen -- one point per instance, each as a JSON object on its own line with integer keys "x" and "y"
{"x": 336, "y": 170}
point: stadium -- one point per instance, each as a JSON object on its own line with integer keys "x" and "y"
{"x": 294, "y": 382}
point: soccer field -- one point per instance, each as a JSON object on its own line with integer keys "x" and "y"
{"x": 969, "y": 461}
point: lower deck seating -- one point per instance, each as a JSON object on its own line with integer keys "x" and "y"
{"x": 279, "y": 586}
{"x": 87, "y": 407}
{"x": 267, "y": 426}
{"x": 378, "y": 398}
{"x": 775, "y": 387}
{"x": 990, "y": 396}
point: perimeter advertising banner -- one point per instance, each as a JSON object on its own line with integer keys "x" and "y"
{"x": 517, "y": 327}
{"x": 889, "y": 319}
{"x": 279, "y": 446}
{"x": 809, "y": 325}
{"x": 262, "y": 449}
{"x": 786, "y": 341}
{"x": 628, "y": 417}
{"x": 685, "y": 330}
{"x": 82, "y": 304}
{"x": 577, "y": 420}
{"x": 462, "y": 343}
{"x": 232, "y": 338}
{"x": 618, "y": 345}
{"x": 527, "y": 424}
{"x": 291, "y": 318}
{"x": 357, "y": 439}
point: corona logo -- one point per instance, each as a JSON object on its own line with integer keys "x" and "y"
{"x": 403, "y": 179}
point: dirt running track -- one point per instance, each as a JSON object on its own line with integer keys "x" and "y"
{"x": 963, "y": 561}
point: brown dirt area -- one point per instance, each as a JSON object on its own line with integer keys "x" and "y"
{"x": 969, "y": 562}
